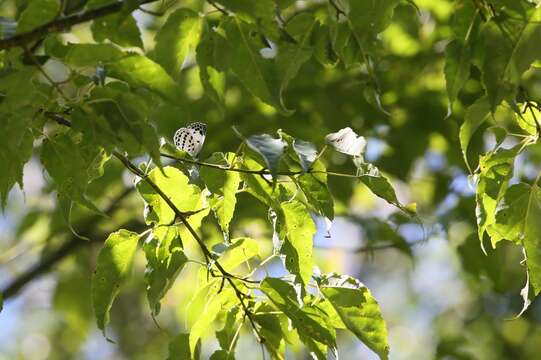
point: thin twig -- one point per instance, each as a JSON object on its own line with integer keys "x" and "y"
{"x": 220, "y": 9}
{"x": 258, "y": 172}
{"x": 151, "y": 12}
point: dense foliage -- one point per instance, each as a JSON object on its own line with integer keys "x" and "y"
{"x": 223, "y": 242}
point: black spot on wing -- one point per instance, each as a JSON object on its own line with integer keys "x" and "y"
{"x": 201, "y": 128}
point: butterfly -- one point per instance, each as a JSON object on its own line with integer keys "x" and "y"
{"x": 347, "y": 142}
{"x": 191, "y": 138}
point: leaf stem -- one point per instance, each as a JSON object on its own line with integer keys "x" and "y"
{"x": 256, "y": 172}
{"x": 220, "y": 9}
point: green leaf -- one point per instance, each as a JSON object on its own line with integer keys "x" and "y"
{"x": 344, "y": 44}
{"x": 475, "y": 115}
{"x": 506, "y": 58}
{"x": 215, "y": 303}
{"x": 273, "y": 328}
{"x": 368, "y": 18}
{"x": 199, "y": 299}
{"x": 298, "y": 245}
{"x": 358, "y": 310}
{"x": 176, "y": 38}
{"x": 323, "y": 47}
{"x": 496, "y": 171}
{"x": 525, "y": 51}
{"x": 326, "y": 308}
{"x": 270, "y": 149}
{"x": 228, "y": 336}
{"x": 215, "y": 178}
{"x": 318, "y": 350}
{"x": 465, "y": 15}
{"x": 210, "y": 65}
{"x": 133, "y": 110}
{"x": 140, "y": 71}
{"x": 176, "y": 187}
{"x": 223, "y": 185}
{"x": 256, "y": 185}
{"x": 92, "y": 54}
{"x": 511, "y": 217}
{"x": 528, "y": 119}
{"x": 314, "y": 187}
{"x": 457, "y": 67}
{"x": 256, "y": 73}
{"x": 306, "y": 320}
{"x": 291, "y": 57}
{"x": 112, "y": 268}
{"x": 37, "y": 13}
{"x": 165, "y": 260}
{"x": 15, "y": 152}
{"x": 377, "y": 183}
{"x": 82, "y": 55}
{"x": 240, "y": 251}
{"x": 263, "y": 9}
{"x": 194, "y": 220}
{"x": 73, "y": 165}
{"x": 118, "y": 117}
{"x": 179, "y": 348}
{"x": 517, "y": 220}
{"x": 497, "y": 51}
{"x": 120, "y": 28}
{"x": 22, "y": 94}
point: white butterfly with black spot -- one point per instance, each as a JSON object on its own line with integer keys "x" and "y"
{"x": 191, "y": 138}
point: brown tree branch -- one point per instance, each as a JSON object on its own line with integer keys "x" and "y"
{"x": 63, "y": 24}
{"x": 73, "y": 244}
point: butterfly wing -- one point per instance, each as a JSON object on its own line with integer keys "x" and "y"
{"x": 346, "y": 141}
{"x": 200, "y": 132}
{"x": 353, "y": 144}
{"x": 190, "y": 139}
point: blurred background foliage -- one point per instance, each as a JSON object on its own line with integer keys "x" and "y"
{"x": 441, "y": 296}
